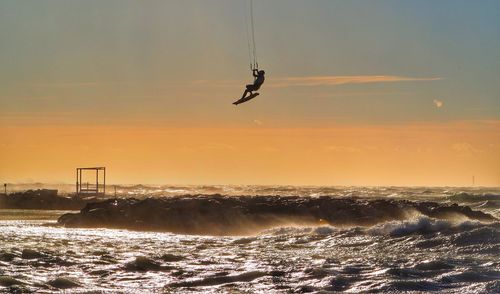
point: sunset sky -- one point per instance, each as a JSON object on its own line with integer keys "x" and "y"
{"x": 356, "y": 92}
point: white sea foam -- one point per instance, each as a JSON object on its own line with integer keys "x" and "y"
{"x": 421, "y": 225}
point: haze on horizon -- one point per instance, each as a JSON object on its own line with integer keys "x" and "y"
{"x": 357, "y": 92}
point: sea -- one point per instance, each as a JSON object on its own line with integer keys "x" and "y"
{"x": 415, "y": 255}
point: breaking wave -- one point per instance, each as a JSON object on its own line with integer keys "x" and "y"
{"x": 474, "y": 231}
{"x": 472, "y": 198}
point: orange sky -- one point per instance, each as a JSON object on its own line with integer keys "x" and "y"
{"x": 412, "y": 154}
{"x": 356, "y": 93}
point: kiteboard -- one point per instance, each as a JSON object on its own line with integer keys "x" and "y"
{"x": 245, "y": 99}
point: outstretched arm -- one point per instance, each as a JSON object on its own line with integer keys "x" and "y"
{"x": 255, "y": 72}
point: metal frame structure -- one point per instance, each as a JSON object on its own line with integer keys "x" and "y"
{"x": 95, "y": 189}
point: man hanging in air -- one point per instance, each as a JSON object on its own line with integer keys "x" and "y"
{"x": 257, "y": 83}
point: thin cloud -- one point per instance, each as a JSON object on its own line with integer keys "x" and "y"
{"x": 343, "y": 80}
{"x": 217, "y": 146}
{"x": 218, "y": 83}
{"x": 269, "y": 149}
{"x": 343, "y": 149}
{"x": 464, "y": 147}
{"x": 66, "y": 85}
{"x": 314, "y": 81}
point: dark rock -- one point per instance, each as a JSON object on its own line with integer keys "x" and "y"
{"x": 171, "y": 257}
{"x": 31, "y": 254}
{"x": 143, "y": 264}
{"x": 7, "y": 281}
{"x": 101, "y": 273}
{"x": 220, "y": 215}
{"x": 339, "y": 283}
{"x": 42, "y": 199}
{"x": 277, "y": 273}
{"x": 7, "y": 256}
{"x": 64, "y": 283}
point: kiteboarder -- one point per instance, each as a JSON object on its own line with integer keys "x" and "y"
{"x": 258, "y": 75}
{"x": 257, "y": 83}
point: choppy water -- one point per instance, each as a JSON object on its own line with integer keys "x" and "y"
{"x": 418, "y": 254}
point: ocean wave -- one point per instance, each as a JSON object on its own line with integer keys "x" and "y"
{"x": 489, "y": 204}
{"x": 478, "y": 236}
{"x": 471, "y": 276}
{"x": 474, "y": 230}
{"x": 434, "y": 265}
{"x": 413, "y": 285}
{"x": 300, "y": 230}
{"x": 420, "y": 225}
{"x": 472, "y": 197}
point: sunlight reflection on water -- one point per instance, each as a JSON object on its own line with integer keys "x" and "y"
{"x": 418, "y": 254}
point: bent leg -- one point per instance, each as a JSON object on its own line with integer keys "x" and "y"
{"x": 245, "y": 93}
{"x": 249, "y": 89}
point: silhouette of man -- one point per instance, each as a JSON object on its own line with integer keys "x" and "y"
{"x": 257, "y": 82}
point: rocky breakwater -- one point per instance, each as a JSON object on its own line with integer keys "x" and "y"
{"x": 43, "y": 199}
{"x": 220, "y": 215}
